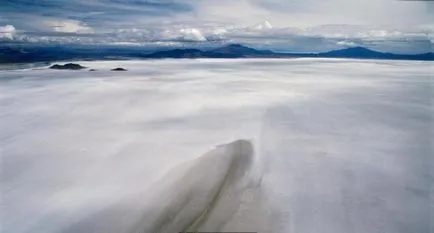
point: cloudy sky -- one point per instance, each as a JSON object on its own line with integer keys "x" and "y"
{"x": 292, "y": 25}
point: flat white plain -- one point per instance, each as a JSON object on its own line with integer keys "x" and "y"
{"x": 344, "y": 145}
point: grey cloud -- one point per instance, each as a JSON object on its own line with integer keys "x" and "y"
{"x": 300, "y": 26}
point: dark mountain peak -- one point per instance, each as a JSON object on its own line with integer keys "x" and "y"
{"x": 358, "y": 48}
{"x": 240, "y": 50}
{"x": 361, "y": 52}
{"x": 236, "y": 46}
{"x": 365, "y": 53}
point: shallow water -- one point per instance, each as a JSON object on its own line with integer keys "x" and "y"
{"x": 340, "y": 145}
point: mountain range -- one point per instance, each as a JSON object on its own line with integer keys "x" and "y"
{"x": 11, "y": 54}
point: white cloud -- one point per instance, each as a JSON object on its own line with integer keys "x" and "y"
{"x": 309, "y": 13}
{"x": 263, "y": 26}
{"x": 346, "y": 43}
{"x": 177, "y": 34}
{"x": 192, "y": 34}
{"x": 7, "y": 32}
{"x": 68, "y": 26}
{"x": 220, "y": 31}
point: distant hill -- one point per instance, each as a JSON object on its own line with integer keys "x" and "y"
{"x": 26, "y": 54}
{"x": 43, "y": 53}
{"x": 229, "y": 51}
{"x": 364, "y": 53}
{"x": 176, "y": 53}
{"x": 237, "y": 50}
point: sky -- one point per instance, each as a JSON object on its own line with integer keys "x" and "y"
{"x": 284, "y": 25}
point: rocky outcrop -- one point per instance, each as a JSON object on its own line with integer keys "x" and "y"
{"x": 68, "y": 66}
{"x": 118, "y": 69}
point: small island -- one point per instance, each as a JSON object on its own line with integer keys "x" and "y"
{"x": 118, "y": 69}
{"x": 68, "y": 66}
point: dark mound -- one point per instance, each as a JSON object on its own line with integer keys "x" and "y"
{"x": 119, "y": 69}
{"x": 69, "y": 66}
{"x": 92, "y": 70}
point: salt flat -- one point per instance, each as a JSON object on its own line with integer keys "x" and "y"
{"x": 341, "y": 145}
